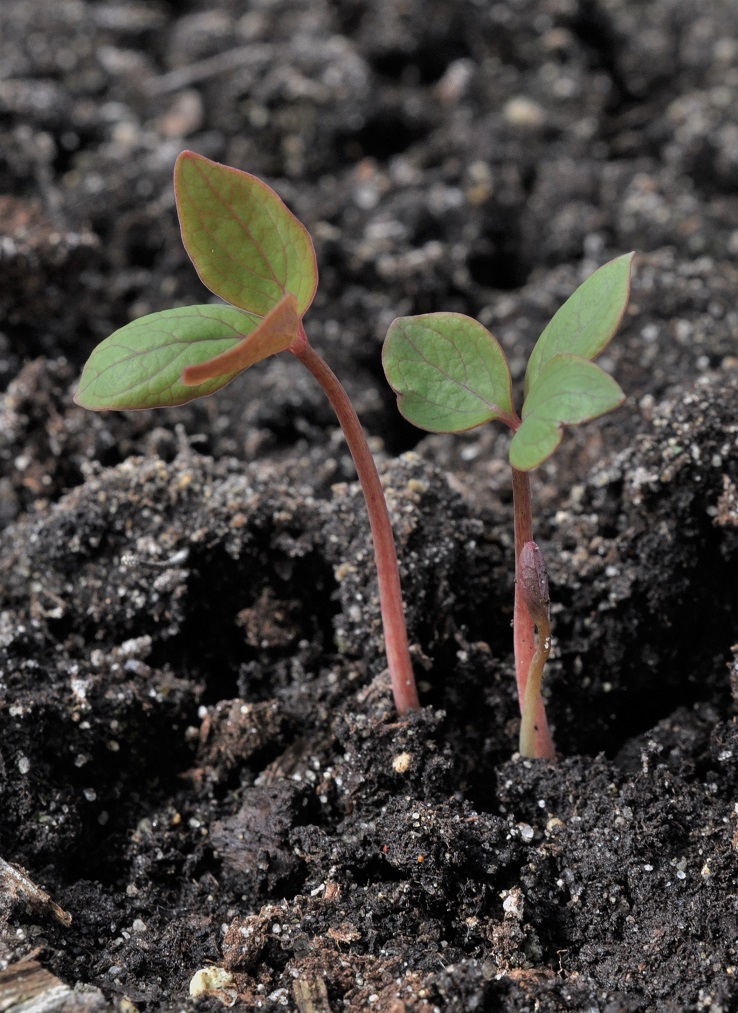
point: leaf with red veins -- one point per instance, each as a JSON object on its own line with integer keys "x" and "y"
{"x": 448, "y": 371}
{"x": 246, "y": 245}
{"x": 568, "y": 390}
{"x": 140, "y": 365}
{"x": 586, "y": 323}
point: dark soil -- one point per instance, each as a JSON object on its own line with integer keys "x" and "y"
{"x": 199, "y": 760}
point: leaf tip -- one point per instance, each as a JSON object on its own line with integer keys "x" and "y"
{"x": 187, "y": 155}
{"x": 87, "y": 403}
{"x": 80, "y": 397}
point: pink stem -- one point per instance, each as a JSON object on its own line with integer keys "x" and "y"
{"x": 523, "y": 625}
{"x": 390, "y": 593}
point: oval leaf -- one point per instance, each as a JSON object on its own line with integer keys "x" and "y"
{"x": 246, "y": 245}
{"x": 569, "y": 390}
{"x": 274, "y": 334}
{"x": 140, "y": 365}
{"x": 587, "y": 321}
{"x": 448, "y": 372}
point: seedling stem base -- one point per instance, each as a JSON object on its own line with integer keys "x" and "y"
{"x": 523, "y": 625}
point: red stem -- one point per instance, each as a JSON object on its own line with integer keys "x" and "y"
{"x": 385, "y": 554}
{"x": 523, "y": 625}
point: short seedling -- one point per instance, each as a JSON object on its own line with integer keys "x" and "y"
{"x": 450, "y": 374}
{"x": 252, "y": 252}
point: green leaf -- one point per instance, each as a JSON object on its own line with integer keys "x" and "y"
{"x": 569, "y": 390}
{"x": 141, "y": 364}
{"x": 448, "y": 372}
{"x": 587, "y": 321}
{"x": 246, "y": 245}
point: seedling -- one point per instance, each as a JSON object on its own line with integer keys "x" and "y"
{"x": 252, "y": 252}
{"x": 450, "y": 375}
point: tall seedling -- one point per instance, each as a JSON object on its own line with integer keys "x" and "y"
{"x": 252, "y": 252}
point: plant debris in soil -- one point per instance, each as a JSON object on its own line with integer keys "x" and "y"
{"x": 205, "y": 797}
